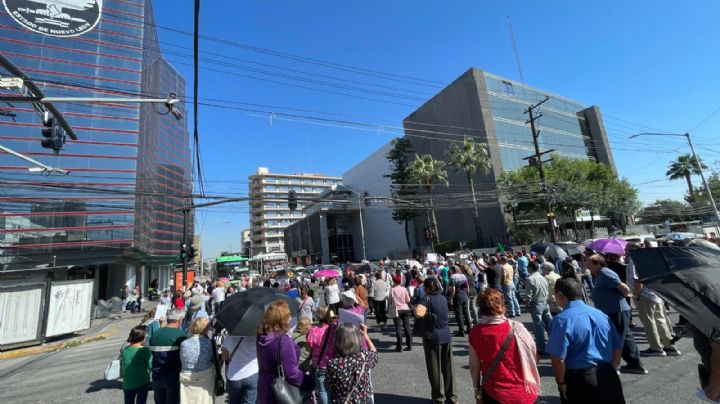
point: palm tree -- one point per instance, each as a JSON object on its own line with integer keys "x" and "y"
{"x": 685, "y": 167}
{"x": 471, "y": 157}
{"x": 426, "y": 171}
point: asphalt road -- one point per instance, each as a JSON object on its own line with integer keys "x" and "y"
{"x": 75, "y": 375}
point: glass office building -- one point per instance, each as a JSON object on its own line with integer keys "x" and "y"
{"x": 491, "y": 109}
{"x": 129, "y": 168}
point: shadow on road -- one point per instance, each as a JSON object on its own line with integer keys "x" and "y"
{"x": 103, "y": 384}
{"x": 392, "y": 399}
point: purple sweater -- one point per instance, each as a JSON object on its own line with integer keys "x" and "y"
{"x": 267, "y": 346}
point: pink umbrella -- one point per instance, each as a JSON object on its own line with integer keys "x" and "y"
{"x": 327, "y": 273}
{"x": 609, "y": 246}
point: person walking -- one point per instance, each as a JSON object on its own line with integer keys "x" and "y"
{"x": 552, "y": 276}
{"x": 437, "y": 346}
{"x": 608, "y": 296}
{"x": 458, "y": 299}
{"x": 135, "y": 363}
{"x": 320, "y": 350}
{"x": 508, "y": 287}
{"x": 380, "y": 292}
{"x": 332, "y": 294}
{"x": 348, "y": 374}
{"x": 585, "y": 350}
{"x": 273, "y": 343}
{"x": 472, "y": 292}
{"x": 400, "y": 299}
{"x": 652, "y": 314}
{"x": 537, "y": 295}
{"x": 165, "y": 348}
{"x": 306, "y": 305}
{"x": 502, "y": 355}
{"x": 197, "y": 374}
{"x": 241, "y": 368}
{"x": 494, "y": 274}
{"x": 218, "y": 296}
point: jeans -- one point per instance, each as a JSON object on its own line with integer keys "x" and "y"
{"x": 630, "y": 353}
{"x": 541, "y": 318}
{"x": 243, "y": 391}
{"x": 511, "y": 299}
{"x": 460, "y": 307}
{"x": 323, "y": 396}
{"x": 166, "y": 390}
{"x": 137, "y": 395}
{"x": 404, "y": 318}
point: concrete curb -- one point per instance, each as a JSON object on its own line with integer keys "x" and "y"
{"x": 55, "y": 346}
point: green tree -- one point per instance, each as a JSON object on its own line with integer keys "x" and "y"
{"x": 685, "y": 167}
{"x": 470, "y": 157}
{"x": 399, "y": 187}
{"x": 661, "y": 210}
{"x": 425, "y": 171}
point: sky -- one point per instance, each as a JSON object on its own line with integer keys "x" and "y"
{"x": 650, "y": 66}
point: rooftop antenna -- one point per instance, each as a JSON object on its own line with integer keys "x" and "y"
{"x": 517, "y": 55}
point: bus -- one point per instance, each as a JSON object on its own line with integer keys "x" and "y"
{"x": 231, "y": 266}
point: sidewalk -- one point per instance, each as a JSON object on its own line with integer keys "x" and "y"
{"x": 100, "y": 329}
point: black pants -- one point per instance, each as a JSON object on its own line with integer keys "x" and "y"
{"x": 460, "y": 307}
{"x": 380, "y": 313}
{"x": 404, "y": 318}
{"x": 630, "y": 352}
{"x": 439, "y": 364}
{"x": 598, "y": 385}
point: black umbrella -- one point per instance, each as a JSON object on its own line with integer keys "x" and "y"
{"x": 366, "y": 268}
{"x": 242, "y": 313}
{"x": 283, "y": 274}
{"x": 540, "y": 247}
{"x": 688, "y": 278}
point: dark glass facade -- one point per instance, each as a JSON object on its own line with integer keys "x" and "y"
{"x": 131, "y": 165}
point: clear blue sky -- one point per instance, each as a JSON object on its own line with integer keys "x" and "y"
{"x": 646, "y": 64}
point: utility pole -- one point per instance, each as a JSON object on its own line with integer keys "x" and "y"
{"x": 536, "y": 159}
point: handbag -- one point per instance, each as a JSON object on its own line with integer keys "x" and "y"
{"x": 314, "y": 368}
{"x": 424, "y": 327}
{"x": 284, "y": 392}
{"x": 219, "y": 381}
{"x": 113, "y": 370}
{"x": 498, "y": 357}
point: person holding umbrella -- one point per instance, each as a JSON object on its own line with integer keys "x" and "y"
{"x": 273, "y": 342}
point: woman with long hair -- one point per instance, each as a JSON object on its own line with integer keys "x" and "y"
{"x": 273, "y": 342}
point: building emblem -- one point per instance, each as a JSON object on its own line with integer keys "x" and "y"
{"x": 61, "y": 18}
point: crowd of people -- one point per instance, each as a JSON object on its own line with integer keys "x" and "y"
{"x": 579, "y": 306}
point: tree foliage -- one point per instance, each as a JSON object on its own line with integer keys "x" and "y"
{"x": 425, "y": 171}
{"x": 400, "y": 187}
{"x": 685, "y": 166}
{"x": 572, "y": 185}
{"x": 666, "y": 209}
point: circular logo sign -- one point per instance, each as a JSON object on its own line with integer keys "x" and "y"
{"x": 60, "y": 18}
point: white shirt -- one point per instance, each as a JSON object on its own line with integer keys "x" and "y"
{"x": 218, "y": 295}
{"x": 243, "y": 363}
{"x": 332, "y": 294}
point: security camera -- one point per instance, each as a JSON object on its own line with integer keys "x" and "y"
{"x": 170, "y": 104}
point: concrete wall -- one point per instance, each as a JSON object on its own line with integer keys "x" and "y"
{"x": 459, "y": 110}
{"x": 383, "y": 235}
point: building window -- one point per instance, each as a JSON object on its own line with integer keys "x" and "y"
{"x": 508, "y": 87}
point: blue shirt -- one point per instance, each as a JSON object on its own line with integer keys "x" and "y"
{"x": 605, "y": 294}
{"x": 522, "y": 264}
{"x": 582, "y": 336}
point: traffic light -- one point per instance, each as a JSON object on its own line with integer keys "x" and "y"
{"x": 292, "y": 200}
{"x": 183, "y": 253}
{"x": 53, "y": 133}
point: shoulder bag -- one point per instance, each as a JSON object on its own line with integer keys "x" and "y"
{"x": 493, "y": 365}
{"x": 112, "y": 372}
{"x": 284, "y": 392}
{"x": 219, "y": 381}
{"x": 424, "y": 327}
{"x": 315, "y": 366}
{"x": 232, "y": 354}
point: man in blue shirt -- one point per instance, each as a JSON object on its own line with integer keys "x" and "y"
{"x": 585, "y": 349}
{"x": 609, "y": 296}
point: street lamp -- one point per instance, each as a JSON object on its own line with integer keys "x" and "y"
{"x": 702, "y": 174}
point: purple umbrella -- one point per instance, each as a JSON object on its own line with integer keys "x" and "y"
{"x": 609, "y": 246}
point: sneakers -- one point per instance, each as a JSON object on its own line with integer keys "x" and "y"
{"x": 633, "y": 370}
{"x": 672, "y": 351}
{"x": 652, "y": 352}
